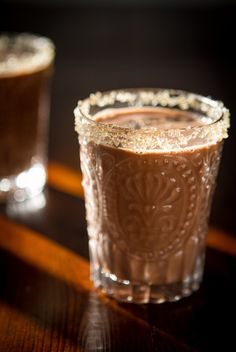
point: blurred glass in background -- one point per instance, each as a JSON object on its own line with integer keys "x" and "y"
{"x": 25, "y": 69}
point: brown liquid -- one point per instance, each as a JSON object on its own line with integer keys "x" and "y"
{"x": 23, "y": 113}
{"x": 147, "y": 212}
{"x": 151, "y": 117}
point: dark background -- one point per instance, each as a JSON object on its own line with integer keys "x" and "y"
{"x": 101, "y": 45}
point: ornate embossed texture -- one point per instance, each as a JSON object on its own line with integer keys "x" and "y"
{"x": 148, "y": 208}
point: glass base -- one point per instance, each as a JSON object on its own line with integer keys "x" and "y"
{"x": 26, "y": 185}
{"x": 125, "y": 291}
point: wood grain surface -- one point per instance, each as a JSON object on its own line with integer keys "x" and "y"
{"x": 48, "y": 303}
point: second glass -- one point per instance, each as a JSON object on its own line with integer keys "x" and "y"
{"x": 25, "y": 69}
{"x": 149, "y": 159}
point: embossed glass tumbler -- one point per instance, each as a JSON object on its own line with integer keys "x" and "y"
{"x": 25, "y": 69}
{"x": 149, "y": 159}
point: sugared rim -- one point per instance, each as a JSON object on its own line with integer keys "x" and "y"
{"x": 154, "y": 138}
{"x": 24, "y": 53}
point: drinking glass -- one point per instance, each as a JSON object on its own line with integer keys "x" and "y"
{"x": 149, "y": 159}
{"x": 26, "y": 62}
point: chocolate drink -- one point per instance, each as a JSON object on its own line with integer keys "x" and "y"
{"x": 23, "y": 104}
{"x": 26, "y": 62}
{"x": 147, "y": 211}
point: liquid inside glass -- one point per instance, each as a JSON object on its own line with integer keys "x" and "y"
{"x": 147, "y": 210}
{"x": 25, "y": 71}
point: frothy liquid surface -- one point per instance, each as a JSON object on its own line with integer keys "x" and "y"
{"x": 160, "y": 118}
{"x": 148, "y": 212}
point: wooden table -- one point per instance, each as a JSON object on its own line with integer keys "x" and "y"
{"x": 47, "y": 302}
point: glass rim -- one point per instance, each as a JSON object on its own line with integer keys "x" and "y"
{"x": 181, "y": 100}
{"x": 42, "y": 53}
